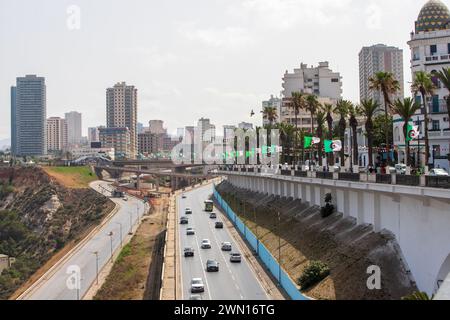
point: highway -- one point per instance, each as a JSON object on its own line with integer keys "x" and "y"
{"x": 233, "y": 281}
{"x": 53, "y": 285}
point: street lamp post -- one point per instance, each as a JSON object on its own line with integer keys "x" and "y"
{"x": 131, "y": 223}
{"x": 120, "y": 224}
{"x": 111, "y": 234}
{"x": 96, "y": 266}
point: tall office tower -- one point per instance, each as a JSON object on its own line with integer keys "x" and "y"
{"x": 29, "y": 112}
{"x": 74, "y": 128}
{"x": 93, "y": 135}
{"x": 121, "y": 112}
{"x": 208, "y": 130}
{"x": 57, "y": 134}
{"x": 380, "y": 58}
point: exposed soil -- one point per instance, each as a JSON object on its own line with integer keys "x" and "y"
{"x": 305, "y": 236}
{"x": 130, "y": 275}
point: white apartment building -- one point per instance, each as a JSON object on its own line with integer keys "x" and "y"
{"x": 93, "y": 135}
{"x": 380, "y": 58}
{"x": 57, "y": 137}
{"x": 320, "y": 81}
{"x": 273, "y": 102}
{"x": 430, "y": 51}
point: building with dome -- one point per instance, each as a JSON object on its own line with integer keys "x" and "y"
{"x": 430, "y": 51}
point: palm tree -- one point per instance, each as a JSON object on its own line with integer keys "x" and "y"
{"x": 367, "y": 109}
{"x": 270, "y": 114}
{"x": 287, "y": 132}
{"x": 298, "y": 103}
{"x": 422, "y": 84}
{"x": 329, "y": 110}
{"x": 300, "y": 135}
{"x": 321, "y": 119}
{"x": 406, "y": 109}
{"x": 342, "y": 110}
{"x": 353, "y": 123}
{"x": 385, "y": 83}
{"x": 444, "y": 77}
{"x": 312, "y": 106}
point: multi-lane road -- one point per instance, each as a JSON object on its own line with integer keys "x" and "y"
{"x": 58, "y": 284}
{"x": 233, "y": 281}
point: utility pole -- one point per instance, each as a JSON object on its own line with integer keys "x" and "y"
{"x": 120, "y": 224}
{"x": 111, "y": 234}
{"x": 131, "y": 223}
{"x": 96, "y": 266}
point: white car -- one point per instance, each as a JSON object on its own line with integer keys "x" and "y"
{"x": 206, "y": 244}
{"x": 438, "y": 173}
{"x": 197, "y": 285}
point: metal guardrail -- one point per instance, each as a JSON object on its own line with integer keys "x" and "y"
{"x": 405, "y": 180}
{"x": 438, "y": 182}
{"x": 301, "y": 174}
{"x": 384, "y": 178}
{"x": 324, "y": 175}
{"x": 349, "y": 176}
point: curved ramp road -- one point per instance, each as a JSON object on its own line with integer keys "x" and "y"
{"x": 56, "y": 284}
{"x": 233, "y": 281}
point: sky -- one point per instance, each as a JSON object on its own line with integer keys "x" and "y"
{"x": 189, "y": 59}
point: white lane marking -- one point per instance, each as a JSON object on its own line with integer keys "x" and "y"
{"x": 203, "y": 270}
{"x": 238, "y": 243}
{"x": 225, "y": 259}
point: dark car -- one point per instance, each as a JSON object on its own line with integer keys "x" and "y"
{"x": 235, "y": 257}
{"x": 213, "y": 216}
{"x": 184, "y": 220}
{"x": 219, "y": 225}
{"x": 188, "y": 252}
{"x": 212, "y": 266}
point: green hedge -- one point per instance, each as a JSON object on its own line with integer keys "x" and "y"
{"x": 314, "y": 273}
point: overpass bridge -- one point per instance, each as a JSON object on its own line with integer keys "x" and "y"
{"x": 178, "y": 179}
{"x": 417, "y": 212}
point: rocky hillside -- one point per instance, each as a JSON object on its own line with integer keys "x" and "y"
{"x": 39, "y": 217}
{"x": 347, "y": 249}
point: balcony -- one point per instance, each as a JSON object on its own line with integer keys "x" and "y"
{"x": 440, "y": 107}
{"x": 437, "y": 58}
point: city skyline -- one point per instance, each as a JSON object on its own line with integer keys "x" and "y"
{"x": 206, "y": 49}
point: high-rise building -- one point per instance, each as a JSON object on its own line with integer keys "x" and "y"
{"x": 140, "y": 127}
{"x": 93, "y": 134}
{"x": 29, "y": 112}
{"x": 430, "y": 52}
{"x": 74, "y": 128}
{"x": 320, "y": 81}
{"x": 208, "y": 130}
{"x": 56, "y": 134}
{"x": 121, "y": 112}
{"x": 380, "y": 58}
{"x": 273, "y": 102}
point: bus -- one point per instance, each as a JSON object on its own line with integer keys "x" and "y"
{"x": 209, "y": 206}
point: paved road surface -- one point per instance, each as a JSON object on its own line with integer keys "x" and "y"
{"x": 234, "y": 281}
{"x": 53, "y": 285}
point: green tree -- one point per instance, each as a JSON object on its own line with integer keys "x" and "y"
{"x": 298, "y": 103}
{"x": 425, "y": 87}
{"x": 329, "y": 110}
{"x": 342, "y": 110}
{"x": 353, "y": 123}
{"x": 444, "y": 77}
{"x": 270, "y": 114}
{"x": 406, "y": 109}
{"x": 367, "y": 109}
{"x": 385, "y": 83}
{"x": 321, "y": 119}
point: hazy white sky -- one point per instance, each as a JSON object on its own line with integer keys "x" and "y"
{"x": 188, "y": 59}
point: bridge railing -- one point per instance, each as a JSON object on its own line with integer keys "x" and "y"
{"x": 393, "y": 178}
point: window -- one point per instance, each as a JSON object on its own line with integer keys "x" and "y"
{"x": 436, "y": 125}
{"x": 433, "y": 49}
{"x": 436, "y": 151}
{"x": 448, "y": 48}
{"x": 334, "y": 80}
